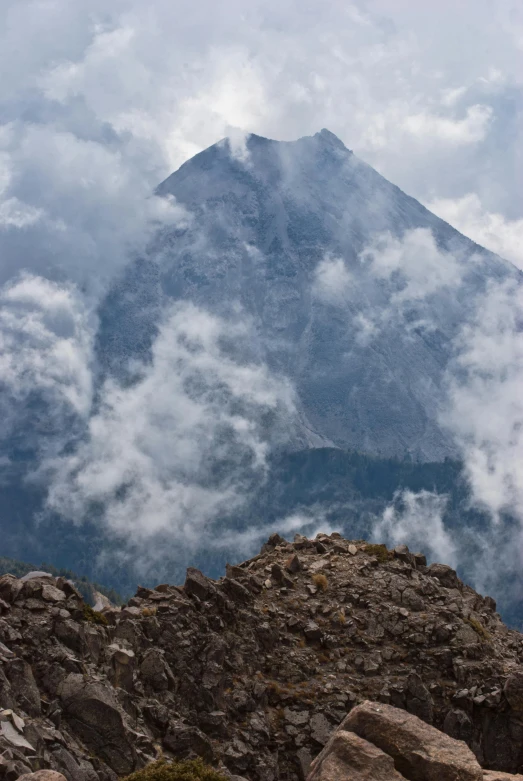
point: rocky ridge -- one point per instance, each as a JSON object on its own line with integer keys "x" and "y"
{"x": 254, "y": 671}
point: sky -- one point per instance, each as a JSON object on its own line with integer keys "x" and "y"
{"x": 99, "y": 102}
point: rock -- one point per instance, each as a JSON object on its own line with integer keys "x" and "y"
{"x": 495, "y": 775}
{"x": 186, "y": 741}
{"x": 420, "y": 752}
{"x": 91, "y": 708}
{"x": 446, "y": 575}
{"x": 52, "y": 594}
{"x": 418, "y": 699}
{"x": 36, "y": 575}
{"x": 347, "y": 757}
{"x": 23, "y": 686}
{"x": 43, "y": 775}
{"x": 312, "y": 631}
{"x": 13, "y": 736}
{"x": 154, "y": 670}
{"x": 293, "y": 564}
{"x": 513, "y": 690}
{"x": 196, "y": 583}
{"x": 320, "y": 728}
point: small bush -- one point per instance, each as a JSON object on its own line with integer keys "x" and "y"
{"x": 379, "y": 551}
{"x": 320, "y": 581}
{"x": 189, "y": 770}
{"x": 479, "y": 629}
{"x": 149, "y": 611}
{"x": 93, "y": 616}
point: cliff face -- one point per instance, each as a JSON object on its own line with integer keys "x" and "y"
{"x": 254, "y": 671}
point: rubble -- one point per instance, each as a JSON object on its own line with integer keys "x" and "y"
{"x": 255, "y": 671}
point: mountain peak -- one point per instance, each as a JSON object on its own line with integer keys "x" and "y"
{"x": 329, "y": 138}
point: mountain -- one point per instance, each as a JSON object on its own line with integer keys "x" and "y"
{"x": 283, "y": 229}
{"x": 329, "y": 285}
{"x": 253, "y": 671}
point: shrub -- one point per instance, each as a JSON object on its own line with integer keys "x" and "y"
{"x": 93, "y": 616}
{"x": 149, "y": 611}
{"x": 379, "y": 551}
{"x": 479, "y": 629}
{"x": 320, "y": 581}
{"x": 189, "y": 770}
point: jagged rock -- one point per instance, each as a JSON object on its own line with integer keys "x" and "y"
{"x": 92, "y": 710}
{"x": 255, "y": 677}
{"x": 420, "y": 752}
{"x": 446, "y": 575}
{"x": 186, "y": 741}
{"x": 348, "y": 757}
{"x": 513, "y": 690}
{"x": 196, "y": 583}
{"x": 23, "y": 686}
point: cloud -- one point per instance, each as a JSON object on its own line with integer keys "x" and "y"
{"x": 416, "y": 519}
{"x": 332, "y": 281}
{"x": 46, "y": 351}
{"x": 184, "y": 444}
{"x": 419, "y": 267}
{"x": 484, "y": 401}
{"x": 491, "y": 230}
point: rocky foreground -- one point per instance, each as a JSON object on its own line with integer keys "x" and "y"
{"x": 254, "y": 672}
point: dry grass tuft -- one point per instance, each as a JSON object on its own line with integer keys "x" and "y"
{"x": 320, "y": 581}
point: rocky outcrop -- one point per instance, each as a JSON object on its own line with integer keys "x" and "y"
{"x": 377, "y": 742}
{"x": 254, "y": 671}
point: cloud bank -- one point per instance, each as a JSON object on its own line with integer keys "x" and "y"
{"x": 181, "y": 446}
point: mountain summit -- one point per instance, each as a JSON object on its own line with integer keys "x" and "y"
{"x": 356, "y": 291}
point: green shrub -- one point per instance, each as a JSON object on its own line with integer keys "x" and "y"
{"x": 379, "y": 551}
{"x": 93, "y": 616}
{"x": 479, "y": 629}
{"x": 189, "y": 770}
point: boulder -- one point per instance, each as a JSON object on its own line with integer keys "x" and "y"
{"x": 43, "y": 775}
{"x": 445, "y": 574}
{"x": 347, "y": 757}
{"x": 196, "y": 583}
{"x": 513, "y": 690}
{"x": 420, "y": 752}
{"x": 91, "y": 709}
{"x": 23, "y": 686}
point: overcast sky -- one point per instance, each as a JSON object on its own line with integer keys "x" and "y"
{"x": 100, "y": 101}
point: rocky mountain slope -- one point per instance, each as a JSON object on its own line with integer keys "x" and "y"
{"x": 254, "y": 671}
{"x": 282, "y": 229}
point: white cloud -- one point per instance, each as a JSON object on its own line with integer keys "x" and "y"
{"x": 484, "y": 399}
{"x": 184, "y": 443}
{"x": 469, "y": 130}
{"x": 421, "y": 268}
{"x": 45, "y": 344}
{"x": 416, "y": 519}
{"x": 332, "y": 281}
{"x": 491, "y": 230}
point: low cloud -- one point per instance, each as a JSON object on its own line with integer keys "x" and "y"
{"x": 184, "y": 444}
{"x": 490, "y": 229}
{"x": 46, "y": 352}
{"x": 416, "y": 519}
{"x": 332, "y": 281}
{"x": 484, "y": 407}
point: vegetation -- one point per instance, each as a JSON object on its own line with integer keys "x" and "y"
{"x": 93, "y": 616}
{"x": 84, "y": 585}
{"x": 379, "y": 551}
{"x": 479, "y": 629}
{"x": 189, "y": 770}
{"x": 320, "y": 581}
